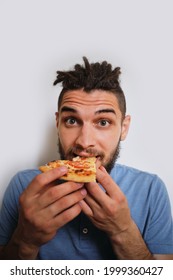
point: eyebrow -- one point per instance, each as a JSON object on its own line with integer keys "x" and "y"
{"x": 70, "y": 109}
{"x": 108, "y": 110}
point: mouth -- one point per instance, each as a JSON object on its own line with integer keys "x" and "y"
{"x": 83, "y": 154}
{"x": 79, "y": 152}
{"x": 86, "y": 155}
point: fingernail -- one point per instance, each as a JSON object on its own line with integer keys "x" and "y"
{"x": 80, "y": 185}
{"x": 83, "y": 192}
{"x": 103, "y": 169}
{"x": 63, "y": 169}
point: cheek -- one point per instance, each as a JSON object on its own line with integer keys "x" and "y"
{"x": 109, "y": 139}
{"x": 66, "y": 138}
{"x": 108, "y": 143}
{"x": 63, "y": 139}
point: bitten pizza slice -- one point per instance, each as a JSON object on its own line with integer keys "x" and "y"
{"x": 80, "y": 169}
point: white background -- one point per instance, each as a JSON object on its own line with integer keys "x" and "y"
{"x": 38, "y": 37}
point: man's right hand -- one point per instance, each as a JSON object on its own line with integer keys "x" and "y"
{"x": 44, "y": 207}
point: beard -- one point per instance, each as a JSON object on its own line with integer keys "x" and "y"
{"x": 113, "y": 158}
{"x": 72, "y": 152}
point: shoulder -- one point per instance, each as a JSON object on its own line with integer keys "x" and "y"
{"x": 130, "y": 178}
{"x": 26, "y": 176}
{"x": 121, "y": 170}
{"x": 142, "y": 188}
{"x": 20, "y": 181}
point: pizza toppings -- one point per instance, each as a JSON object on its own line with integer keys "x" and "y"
{"x": 80, "y": 169}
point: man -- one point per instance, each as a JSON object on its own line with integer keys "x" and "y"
{"x": 125, "y": 215}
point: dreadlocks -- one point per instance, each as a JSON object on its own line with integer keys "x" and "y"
{"x": 92, "y": 76}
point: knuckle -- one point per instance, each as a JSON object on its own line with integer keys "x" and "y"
{"x": 76, "y": 210}
{"x": 73, "y": 186}
{"x": 28, "y": 215}
{"x": 62, "y": 204}
{"x": 121, "y": 199}
{"x": 111, "y": 209}
{"x": 40, "y": 180}
{"x": 72, "y": 213}
{"x": 66, "y": 216}
{"x": 104, "y": 178}
{"x": 24, "y": 201}
{"x": 93, "y": 189}
{"x": 53, "y": 193}
{"x": 70, "y": 200}
{"x": 46, "y": 227}
{"x": 57, "y": 172}
{"x": 40, "y": 224}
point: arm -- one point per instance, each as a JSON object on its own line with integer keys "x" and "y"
{"x": 110, "y": 212}
{"x": 44, "y": 208}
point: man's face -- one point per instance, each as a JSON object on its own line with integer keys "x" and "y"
{"x": 90, "y": 124}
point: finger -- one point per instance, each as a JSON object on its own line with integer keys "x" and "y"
{"x": 55, "y": 209}
{"x": 66, "y": 202}
{"x": 54, "y": 193}
{"x": 85, "y": 208}
{"x": 92, "y": 201}
{"x": 66, "y": 216}
{"x": 96, "y": 195}
{"x": 44, "y": 179}
{"x": 111, "y": 188}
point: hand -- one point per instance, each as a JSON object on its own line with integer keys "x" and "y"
{"x": 107, "y": 210}
{"x": 45, "y": 207}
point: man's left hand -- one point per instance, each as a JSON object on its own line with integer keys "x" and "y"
{"x": 108, "y": 210}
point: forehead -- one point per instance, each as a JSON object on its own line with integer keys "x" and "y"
{"x": 93, "y": 100}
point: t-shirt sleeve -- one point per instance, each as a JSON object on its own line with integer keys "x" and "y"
{"x": 9, "y": 210}
{"x": 159, "y": 233}
{"x": 10, "y": 205}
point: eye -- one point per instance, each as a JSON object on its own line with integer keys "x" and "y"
{"x": 103, "y": 123}
{"x": 71, "y": 121}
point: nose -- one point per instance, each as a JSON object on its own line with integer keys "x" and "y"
{"x": 86, "y": 137}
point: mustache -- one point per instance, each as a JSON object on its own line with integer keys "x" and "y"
{"x": 73, "y": 151}
{"x": 90, "y": 151}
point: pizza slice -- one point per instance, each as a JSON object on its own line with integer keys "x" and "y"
{"x": 80, "y": 169}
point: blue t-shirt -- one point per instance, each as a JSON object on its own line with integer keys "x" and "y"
{"x": 80, "y": 239}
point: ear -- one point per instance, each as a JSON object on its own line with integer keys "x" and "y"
{"x": 57, "y": 119}
{"x": 125, "y": 127}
